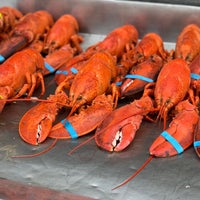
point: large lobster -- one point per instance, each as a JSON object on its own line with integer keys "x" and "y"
{"x": 88, "y": 84}
{"x": 117, "y": 42}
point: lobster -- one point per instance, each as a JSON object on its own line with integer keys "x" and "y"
{"x": 141, "y": 74}
{"x": 64, "y": 31}
{"x": 150, "y": 44}
{"x": 119, "y": 128}
{"x": 168, "y": 91}
{"x": 171, "y": 87}
{"x": 89, "y": 83}
{"x": 176, "y": 138}
{"x": 30, "y": 27}
{"x": 8, "y": 18}
{"x": 117, "y": 42}
{"x": 21, "y": 73}
{"x": 188, "y": 43}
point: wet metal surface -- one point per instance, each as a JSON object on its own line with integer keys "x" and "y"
{"x": 90, "y": 171}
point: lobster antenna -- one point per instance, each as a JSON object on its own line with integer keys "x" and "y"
{"x": 81, "y": 144}
{"x": 136, "y": 173}
{"x": 39, "y": 153}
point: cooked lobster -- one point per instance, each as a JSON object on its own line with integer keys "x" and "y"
{"x": 30, "y": 28}
{"x": 20, "y": 74}
{"x": 117, "y": 42}
{"x": 188, "y": 43}
{"x": 88, "y": 84}
{"x": 64, "y": 31}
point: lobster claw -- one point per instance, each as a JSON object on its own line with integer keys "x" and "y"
{"x": 118, "y": 129}
{"x": 85, "y": 121}
{"x": 36, "y": 123}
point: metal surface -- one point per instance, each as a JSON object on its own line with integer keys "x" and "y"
{"x": 90, "y": 171}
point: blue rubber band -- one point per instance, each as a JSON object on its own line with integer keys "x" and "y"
{"x": 196, "y": 144}
{"x": 49, "y": 67}
{"x": 172, "y": 141}
{"x": 118, "y": 83}
{"x": 74, "y": 70}
{"x": 2, "y": 59}
{"x": 61, "y": 72}
{"x": 69, "y": 128}
{"x": 143, "y": 78}
{"x": 195, "y": 76}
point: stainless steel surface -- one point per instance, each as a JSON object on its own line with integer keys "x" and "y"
{"x": 90, "y": 171}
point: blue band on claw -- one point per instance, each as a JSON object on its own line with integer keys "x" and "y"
{"x": 61, "y": 72}
{"x": 68, "y": 126}
{"x": 172, "y": 141}
{"x": 2, "y": 59}
{"x": 195, "y": 76}
{"x": 196, "y": 144}
{"x": 143, "y": 78}
{"x": 49, "y": 67}
{"x": 74, "y": 70}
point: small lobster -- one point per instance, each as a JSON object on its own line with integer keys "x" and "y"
{"x": 21, "y": 73}
{"x": 188, "y": 43}
{"x": 88, "y": 84}
{"x": 117, "y": 42}
{"x": 30, "y": 28}
{"x": 150, "y": 44}
{"x": 64, "y": 31}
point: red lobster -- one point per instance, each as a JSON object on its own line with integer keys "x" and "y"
{"x": 8, "y": 18}
{"x": 88, "y": 84}
{"x": 188, "y": 43}
{"x": 64, "y": 31}
{"x": 150, "y": 44}
{"x": 116, "y": 43}
{"x": 170, "y": 89}
{"x": 30, "y": 28}
{"x": 21, "y": 73}
{"x": 175, "y": 139}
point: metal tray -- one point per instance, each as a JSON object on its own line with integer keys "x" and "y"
{"x": 92, "y": 172}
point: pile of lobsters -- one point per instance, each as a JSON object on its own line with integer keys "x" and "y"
{"x": 91, "y": 82}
